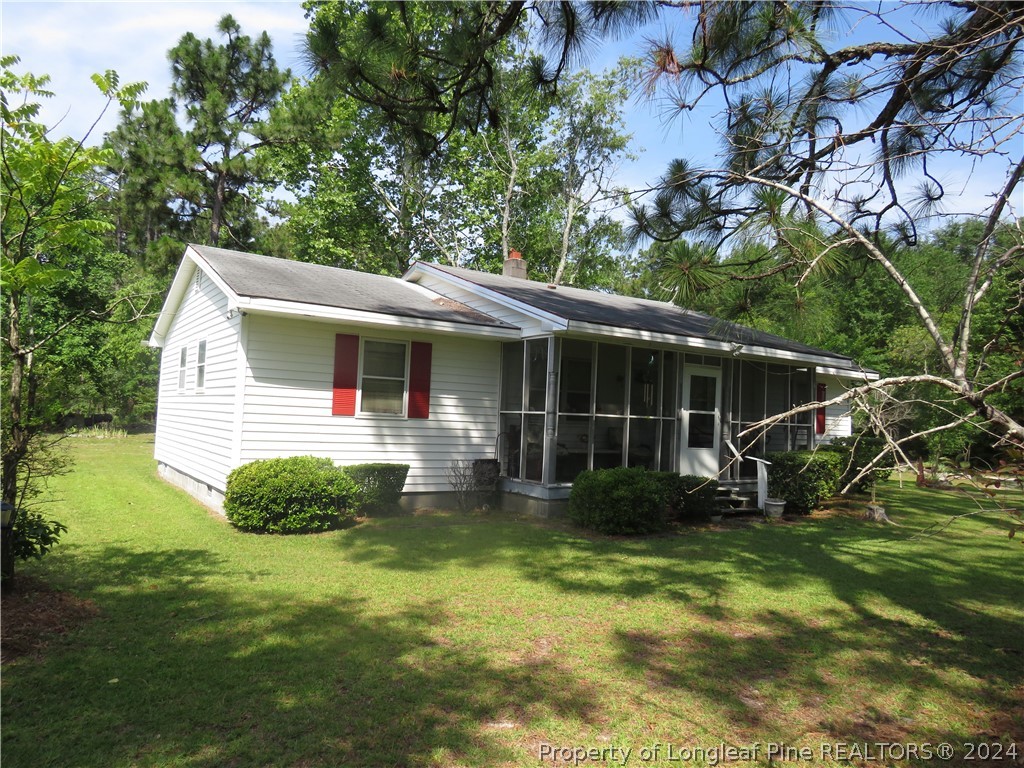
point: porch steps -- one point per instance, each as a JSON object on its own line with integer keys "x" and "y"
{"x": 733, "y": 502}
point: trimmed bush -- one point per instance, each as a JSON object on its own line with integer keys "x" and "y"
{"x": 295, "y": 495}
{"x": 804, "y": 478}
{"x": 696, "y": 497}
{"x": 380, "y": 485}
{"x": 689, "y": 497}
{"x": 624, "y": 500}
{"x": 862, "y": 448}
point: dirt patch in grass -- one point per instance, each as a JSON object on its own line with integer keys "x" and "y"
{"x": 34, "y": 614}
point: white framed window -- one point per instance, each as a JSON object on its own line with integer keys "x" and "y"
{"x": 182, "y": 367}
{"x": 384, "y": 377}
{"x": 201, "y": 365}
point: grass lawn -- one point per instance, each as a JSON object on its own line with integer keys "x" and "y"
{"x": 452, "y": 640}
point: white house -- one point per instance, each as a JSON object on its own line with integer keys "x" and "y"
{"x": 265, "y": 357}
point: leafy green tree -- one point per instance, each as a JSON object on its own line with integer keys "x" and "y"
{"x": 536, "y": 183}
{"x": 589, "y": 141}
{"x": 225, "y": 92}
{"x": 433, "y": 68}
{"x": 542, "y": 181}
{"x": 847, "y": 150}
{"x": 57, "y": 274}
{"x": 146, "y": 180}
{"x": 189, "y": 167}
{"x": 335, "y": 216}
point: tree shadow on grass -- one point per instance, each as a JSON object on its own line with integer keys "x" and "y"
{"x": 176, "y": 672}
{"x": 861, "y": 566}
{"x": 794, "y": 603}
{"x": 784, "y": 679}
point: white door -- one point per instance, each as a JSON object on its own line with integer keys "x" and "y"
{"x": 699, "y": 441}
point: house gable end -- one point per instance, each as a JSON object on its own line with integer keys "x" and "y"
{"x": 191, "y": 263}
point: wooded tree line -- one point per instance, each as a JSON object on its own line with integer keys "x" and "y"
{"x": 457, "y": 132}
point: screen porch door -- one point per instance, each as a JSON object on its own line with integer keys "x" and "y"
{"x": 701, "y": 420}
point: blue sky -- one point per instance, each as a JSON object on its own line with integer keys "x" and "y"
{"x": 72, "y": 40}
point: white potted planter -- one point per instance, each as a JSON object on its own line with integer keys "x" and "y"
{"x": 774, "y": 507}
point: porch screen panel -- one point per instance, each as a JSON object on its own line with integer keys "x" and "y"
{"x": 533, "y": 446}
{"x": 802, "y": 392}
{"x": 611, "y": 379}
{"x": 761, "y": 390}
{"x": 644, "y": 380}
{"x": 643, "y": 443}
{"x": 510, "y": 444}
{"x": 512, "y": 376}
{"x": 574, "y": 384}
{"x": 537, "y": 374}
{"x": 668, "y": 385}
{"x": 776, "y": 402}
{"x": 666, "y": 461}
{"x": 751, "y": 409}
{"x": 572, "y": 453}
{"x": 609, "y": 434}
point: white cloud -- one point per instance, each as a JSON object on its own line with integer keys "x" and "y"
{"x": 72, "y": 40}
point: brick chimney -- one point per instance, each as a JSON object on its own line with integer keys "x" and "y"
{"x": 514, "y": 266}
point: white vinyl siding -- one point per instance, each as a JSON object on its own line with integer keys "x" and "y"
{"x": 195, "y": 421}
{"x": 838, "y": 421}
{"x": 288, "y": 392}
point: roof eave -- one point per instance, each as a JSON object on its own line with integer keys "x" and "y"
{"x": 554, "y": 322}
{"x": 366, "y": 319}
{"x": 733, "y": 349}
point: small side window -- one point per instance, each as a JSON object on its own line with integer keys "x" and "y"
{"x": 182, "y": 362}
{"x": 201, "y": 365}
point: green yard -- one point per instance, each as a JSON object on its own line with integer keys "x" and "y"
{"x": 477, "y": 640}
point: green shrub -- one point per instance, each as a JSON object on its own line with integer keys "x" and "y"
{"x": 696, "y": 497}
{"x": 862, "y": 448}
{"x": 690, "y": 497}
{"x": 294, "y": 495}
{"x": 624, "y": 500}
{"x": 380, "y": 485}
{"x": 33, "y": 535}
{"x": 804, "y": 478}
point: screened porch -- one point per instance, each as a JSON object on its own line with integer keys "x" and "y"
{"x": 570, "y": 404}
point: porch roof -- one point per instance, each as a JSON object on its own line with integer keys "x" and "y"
{"x": 615, "y": 311}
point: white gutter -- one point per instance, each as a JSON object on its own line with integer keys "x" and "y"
{"x": 846, "y": 373}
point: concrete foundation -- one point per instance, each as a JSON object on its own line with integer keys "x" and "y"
{"x": 518, "y": 503}
{"x": 529, "y": 505}
{"x": 202, "y": 492}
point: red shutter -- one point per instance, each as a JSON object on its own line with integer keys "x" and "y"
{"x": 419, "y": 380}
{"x": 819, "y": 415}
{"x": 346, "y": 368}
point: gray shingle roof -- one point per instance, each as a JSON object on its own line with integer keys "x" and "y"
{"x": 266, "y": 277}
{"x": 636, "y": 314}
